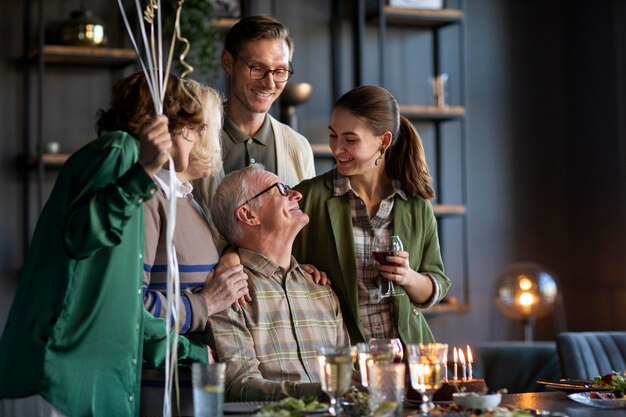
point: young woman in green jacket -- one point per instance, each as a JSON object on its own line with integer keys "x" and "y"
{"x": 380, "y": 185}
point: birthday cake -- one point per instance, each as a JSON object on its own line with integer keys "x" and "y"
{"x": 457, "y": 385}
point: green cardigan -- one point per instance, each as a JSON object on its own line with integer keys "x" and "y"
{"x": 328, "y": 243}
{"x": 77, "y": 330}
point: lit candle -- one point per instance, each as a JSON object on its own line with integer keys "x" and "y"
{"x": 462, "y": 360}
{"x": 445, "y": 366}
{"x": 456, "y": 359}
{"x": 470, "y": 359}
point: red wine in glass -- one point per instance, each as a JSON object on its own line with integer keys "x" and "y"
{"x": 381, "y": 257}
{"x": 385, "y": 246}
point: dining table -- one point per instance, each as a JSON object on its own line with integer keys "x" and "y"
{"x": 555, "y": 401}
{"x": 545, "y": 403}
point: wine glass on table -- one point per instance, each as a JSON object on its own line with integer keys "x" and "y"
{"x": 376, "y": 351}
{"x": 427, "y": 367}
{"x": 383, "y": 247}
{"x": 395, "y": 345}
{"x": 335, "y": 367}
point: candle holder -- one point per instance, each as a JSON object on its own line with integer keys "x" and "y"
{"x": 463, "y": 382}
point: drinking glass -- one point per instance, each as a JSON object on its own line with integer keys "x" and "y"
{"x": 335, "y": 367}
{"x": 426, "y": 366}
{"x": 369, "y": 354}
{"x": 387, "y": 388}
{"x": 208, "y": 389}
{"x": 394, "y": 344}
{"x": 385, "y": 246}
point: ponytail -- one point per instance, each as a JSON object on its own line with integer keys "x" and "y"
{"x": 405, "y": 161}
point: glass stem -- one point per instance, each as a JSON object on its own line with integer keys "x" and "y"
{"x": 332, "y": 409}
{"x": 427, "y": 404}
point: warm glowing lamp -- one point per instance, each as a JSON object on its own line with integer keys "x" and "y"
{"x": 526, "y": 291}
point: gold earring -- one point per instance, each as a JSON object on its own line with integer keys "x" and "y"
{"x": 382, "y": 152}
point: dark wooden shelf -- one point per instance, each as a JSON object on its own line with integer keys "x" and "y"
{"x": 431, "y": 18}
{"x": 224, "y": 23}
{"x": 432, "y": 112}
{"x": 449, "y": 209}
{"x": 49, "y": 160}
{"x": 445, "y": 308}
{"x": 84, "y": 55}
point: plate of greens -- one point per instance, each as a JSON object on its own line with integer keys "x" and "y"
{"x": 292, "y": 407}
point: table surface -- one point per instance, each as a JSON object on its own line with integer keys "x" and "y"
{"x": 558, "y": 401}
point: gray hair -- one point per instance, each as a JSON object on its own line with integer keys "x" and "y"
{"x": 234, "y": 189}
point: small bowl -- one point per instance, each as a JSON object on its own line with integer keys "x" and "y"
{"x": 474, "y": 401}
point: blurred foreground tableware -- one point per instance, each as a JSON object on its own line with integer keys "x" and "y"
{"x": 386, "y": 387}
{"x": 427, "y": 369}
{"x": 335, "y": 368}
{"x": 369, "y": 353}
{"x": 208, "y": 389}
{"x": 474, "y": 401}
{"x": 587, "y": 399}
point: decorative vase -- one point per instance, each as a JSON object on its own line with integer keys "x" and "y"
{"x": 83, "y": 29}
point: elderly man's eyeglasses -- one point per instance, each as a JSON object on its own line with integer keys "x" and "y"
{"x": 282, "y": 189}
{"x": 258, "y": 72}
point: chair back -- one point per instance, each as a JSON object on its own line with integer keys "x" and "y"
{"x": 585, "y": 355}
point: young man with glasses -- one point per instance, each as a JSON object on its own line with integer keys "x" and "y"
{"x": 257, "y": 63}
{"x": 269, "y": 345}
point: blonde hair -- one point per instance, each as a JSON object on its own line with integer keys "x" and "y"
{"x": 206, "y": 153}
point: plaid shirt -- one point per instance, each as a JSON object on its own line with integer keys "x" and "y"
{"x": 269, "y": 346}
{"x": 375, "y": 311}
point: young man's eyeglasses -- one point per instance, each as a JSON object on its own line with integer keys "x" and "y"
{"x": 258, "y": 72}
{"x": 283, "y": 189}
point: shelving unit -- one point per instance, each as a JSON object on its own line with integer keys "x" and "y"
{"x": 39, "y": 57}
{"x": 384, "y": 16}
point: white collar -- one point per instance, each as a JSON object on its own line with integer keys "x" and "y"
{"x": 182, "y": 189}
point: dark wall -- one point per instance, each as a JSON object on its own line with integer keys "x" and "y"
{"x": 546, "y": 95}
{"x": 596, "y": 158}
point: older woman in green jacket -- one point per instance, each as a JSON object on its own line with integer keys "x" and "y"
{"x": 380, "y": 186}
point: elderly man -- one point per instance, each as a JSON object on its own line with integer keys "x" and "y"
{"x": 270, "y": 345}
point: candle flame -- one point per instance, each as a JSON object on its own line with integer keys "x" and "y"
{"x": 456, "y": 355}
{"x": 461, "y": 356}
{"x": 470, "y": 358}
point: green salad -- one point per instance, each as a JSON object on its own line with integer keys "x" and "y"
{"x": 291, "y": 407}
{"x": 615, "y": 380}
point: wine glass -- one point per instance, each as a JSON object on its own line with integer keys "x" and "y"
{"x": 335, "y": 367}
{"x": 397, "y": 352}
{"x": 426, "y": 366}
{"x": 370, "y": 354}
{"x": 385, "y": 246}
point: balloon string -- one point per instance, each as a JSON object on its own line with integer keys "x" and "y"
{"x": 157, "y": 81}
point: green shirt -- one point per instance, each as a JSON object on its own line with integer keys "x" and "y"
{"x": 75, "y": 330}
{"x": 241, "y": 150}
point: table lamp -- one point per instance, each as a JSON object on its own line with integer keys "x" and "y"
{"x": 526, "y": 291}
{"x": 293, "y": 95}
